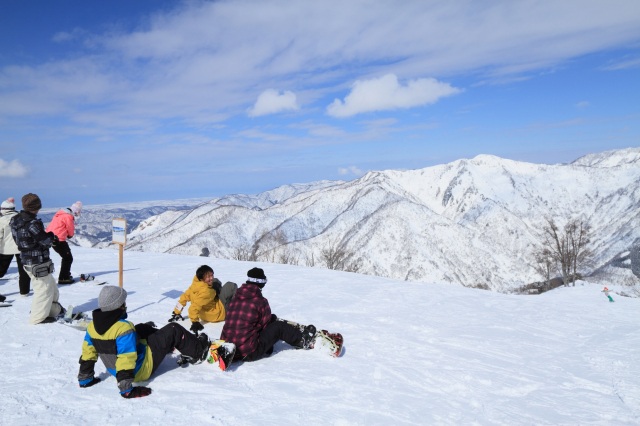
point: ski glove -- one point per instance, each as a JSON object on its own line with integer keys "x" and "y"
{"x": 87, "y": 383}
{"x": 144, "y": 330}
{"x": 196, "y": 326}
{"x": 175, "y": 317}
{"x": 137, "y": 392}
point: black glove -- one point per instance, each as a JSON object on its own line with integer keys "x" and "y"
{"x": 274, "y": 318}
{"x": 196, "y": 326}
{"x": 137, "y": 392}
{"x": 144, "y": 330}
{"x": 88, "y": 384}
{"x": 175, "y": 317}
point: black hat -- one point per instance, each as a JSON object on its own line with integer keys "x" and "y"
{"x": 257, "y": 276}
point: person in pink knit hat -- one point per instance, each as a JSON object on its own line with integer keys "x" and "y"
{"x": 63, "y": 226}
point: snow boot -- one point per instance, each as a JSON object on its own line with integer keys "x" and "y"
{"x": 203, "y": 352}
{"x": 308, "y": 337}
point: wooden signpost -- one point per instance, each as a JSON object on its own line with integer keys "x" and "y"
{"x": 119, "y": 232}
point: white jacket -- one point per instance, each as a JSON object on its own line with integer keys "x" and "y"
{"x": 7, "y": 244}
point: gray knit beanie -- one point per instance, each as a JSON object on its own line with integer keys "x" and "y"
{"x": 111, "y": 298}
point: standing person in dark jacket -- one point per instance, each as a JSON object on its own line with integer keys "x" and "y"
{"x": 34, "y": 243}
{"x": 131, "y": 353}
{"x": 8, "y": 247}
{"x": 63, "y": 225}
{"x": 252, "y": 327}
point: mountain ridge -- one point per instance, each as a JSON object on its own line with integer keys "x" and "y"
{"x": 473, "y": 222}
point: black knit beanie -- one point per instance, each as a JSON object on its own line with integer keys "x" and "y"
{"x": 257, "y": 276}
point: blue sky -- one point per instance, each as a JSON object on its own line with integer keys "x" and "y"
{"x": 153, "y": 99}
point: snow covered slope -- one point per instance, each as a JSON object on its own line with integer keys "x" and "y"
{"x": 415, "y": 353}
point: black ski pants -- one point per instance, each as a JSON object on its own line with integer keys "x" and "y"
{"x": 171, "y": 336}
{"x": 62, "y": 248}
{"x": 272, "y": 333}
{"x": 24, "y": 282}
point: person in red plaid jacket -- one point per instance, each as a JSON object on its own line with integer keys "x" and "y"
{"x": 252, "y": 327}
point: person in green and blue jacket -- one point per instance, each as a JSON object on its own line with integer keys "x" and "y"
{"x": 131, "y": 353}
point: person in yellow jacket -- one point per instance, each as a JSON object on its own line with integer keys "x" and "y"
{"x": 208, "y": 297}
{"x": 131, "y": 353}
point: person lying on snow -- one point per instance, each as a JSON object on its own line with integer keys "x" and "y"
{"x": 209, "y": 299}
{"x": 131, "y": 353}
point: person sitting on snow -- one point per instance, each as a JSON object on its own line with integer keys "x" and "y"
{"x": 209, "y": 299}
{"x": 131, "y": 353}
{"x": 252, "y": 327}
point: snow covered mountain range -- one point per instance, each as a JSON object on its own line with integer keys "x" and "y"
{"x": 471, "y": 222}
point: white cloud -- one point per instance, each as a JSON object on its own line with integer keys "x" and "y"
{"x": 386, "y": 93}
{"x": 583, "y": 104}
{"x": 12, "y": 169}
{"x": 271, "y": 101}
{"x": 625, "y": 63}
{"x": 350, "y": 170}
{"x": 204, "y": 59}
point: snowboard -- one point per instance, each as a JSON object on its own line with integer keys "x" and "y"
{"x": 5, "y": 304}
{"x": 79, "y": 320}
{"x": 329, "y": 342}
{"x": 220, "y": 351}
{"x": 324, "y": 341}
{"x": 88, "y": 277}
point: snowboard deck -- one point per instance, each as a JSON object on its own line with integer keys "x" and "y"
{"x": 329, "y": 342}
{"x": 83, "y": 278}
{"x": 92, "y": 280}
{"x": 220, "y": 351}
{"x": 79, "y": 320}
{"x": 324, "y": 341}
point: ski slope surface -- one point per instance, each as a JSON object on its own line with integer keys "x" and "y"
{"x": 415, "y": 353}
